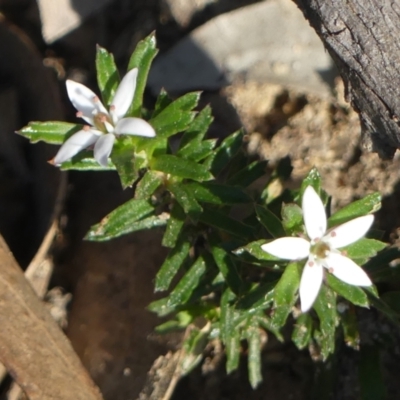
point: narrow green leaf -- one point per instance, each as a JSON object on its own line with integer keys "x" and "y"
{"x": 124, "y": 161}
{"x": 226, "y": 265}
{"x": 53, "y": 132}
{"x": 253, "y": 253}
{"x": 268, "y": 325}
{"x": 120, "y": 221}
{"x": 253, "y": 336}
{"x": 221, "y": 221}
{"x": 371, "y": 380}
{"x": 226, "y": 151}
{"x": 174, "y": 226}
{"x": 270, "y": 221}
{"x": 258, "y": 298}
{"x": 197, "y": 129}
{"x": 325, "y": 307}
{"x": 150, "y": 182}
{"x": 286, "y": 293}
{"x": 227, "y": 321}
{"x": 160, "y": 307}
{"x": 312, "y": 179}
{"x": 301, "y": 335}
{"x": 84, "y": 162}
{"x": 392, "y": 299}
{"x": 369, "y": 204}
{"x": 141, "y": 58}
{"x": 292, "y": 218}
{"x": 215, "y": 193}
{"x": 385, "y": 309}
{"x": 107, "y": 74}
{"x": 180, "y": 167}
{"x": 198, "y": 151}
{"x": 172, "y": 263}
{"x": 249, "y": 174}
{"x": 352, "y": 293}
{"x": 186, "y": 199}
{"x": 163, "y": 101}
{"x": 189, "y": 282}
{"x": 348, "y": 320}
{"x": 232, "y": 349}
{"x": 363, "y": 248}
{"x": 193, "y": 347}
{"x": 176, "y": 117}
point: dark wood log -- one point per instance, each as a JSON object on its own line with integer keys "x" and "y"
{"x": 362, "y": 36}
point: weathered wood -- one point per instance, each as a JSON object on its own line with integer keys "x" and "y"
{"x": 32, "y": 347}
{"x": 362, "y": 38}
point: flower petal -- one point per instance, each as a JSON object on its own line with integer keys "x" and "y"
{"x": 310, "y": 283}
{"x": 134, "y": 126}
{"x": 349, "y": 232}
{"x": 288, "y": 248}
{"x": 124, "y": 95}
{"x": 77, "y": 142}
{"x": 84, "y": 100}
{"x": 314, "y": 214}
{"x": 347, "y": 270}
{"x": 103, "y": 148}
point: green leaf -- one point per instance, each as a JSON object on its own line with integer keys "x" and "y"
{"x": 150, "y": 182}
{"x": 369, "y": 204}
{"x": 253, "y": 253}
{"x": 189, "y": 282}
{"x": 301, "y": 335}
{"x": 268, "y": 325}
{"x": 107, "y": 74}
{"x": 227, "y": 321}
{"x": 84, "y": 162}
{"x": 176, "y": 117}
{"x": 124, "y": 160}
{"x": 198, "y": 151}
{"x": 186, "y": 199}
{"x": 312, "y": 179}
{"x": 232, "y": 350}
{"x": 193, "y": 347}
{"x": 292, "y": 218}
{"x": 160, "y": 307}
{"x": 163, "y": 101}
{"x": 53, "y": 132}
{"x": 172, "y": 263}
{"x": 249, "y": 174}
{"x": 253, "y": 335}
{"x": 384, "y": 309}
{"x": 371, "y": 380}
{"x": 180, "y": 167}
{"x": 363, "y": 249}
{"x": 215, "y": 193}
{"x": 325, "y": 307}
{"x": 352, "y": 293}
{"x": 270, "y": 221}
{"x": 141, "y": 58}
{"x": 197, "y": 129}
{"x": 120, "y": 221}
{"x": 226, "y": 151}
{"x": 174, "y": 226}
{"x": 286, "y": 293}
{"x": 221, "y": 221}
{"x": 226, "y": 265}
{"x": 258, "y": 298}
{"x": 348, "y": 320}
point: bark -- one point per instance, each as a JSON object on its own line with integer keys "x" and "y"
{"x": 32, "y": 347}
{"x": 362, "y": 38}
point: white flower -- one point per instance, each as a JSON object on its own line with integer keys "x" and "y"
{"x": 321, "y": 249}
{"x": 105, "y": 125}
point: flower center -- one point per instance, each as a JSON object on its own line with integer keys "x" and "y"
{"x": 100, "y": 120}
{"x": 320, "y": 249}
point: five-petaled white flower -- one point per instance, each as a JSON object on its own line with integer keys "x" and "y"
{"x": 105, "y": 125}
{"x": 321, "y": 249}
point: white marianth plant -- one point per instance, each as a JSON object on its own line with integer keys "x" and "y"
{"x": 322, "y": 249}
